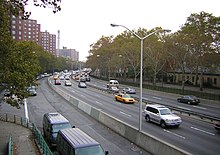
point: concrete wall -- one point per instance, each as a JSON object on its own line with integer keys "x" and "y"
{"x": 142, "y": 139}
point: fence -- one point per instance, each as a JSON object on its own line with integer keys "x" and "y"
{"x": 41, "y": 143}
{"x": 10, "y": 146}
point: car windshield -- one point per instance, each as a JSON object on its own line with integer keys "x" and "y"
{"x": 126, "y": 96}
{"x": 57, "y": 127}
{"x": 92, "y": 150}
{"x": 165, "y": 112}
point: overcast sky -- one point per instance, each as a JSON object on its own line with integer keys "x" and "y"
{"x": 83, "y": 22}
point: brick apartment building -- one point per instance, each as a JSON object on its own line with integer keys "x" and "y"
{"x": 30, "y": 30}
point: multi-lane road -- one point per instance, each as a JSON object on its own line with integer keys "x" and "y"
{"x": 194, "y": 136}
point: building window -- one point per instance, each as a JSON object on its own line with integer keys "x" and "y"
{"x": 19, "y": 32}
{"x": 215, "y": 81}
{"x": 13, "y": 37}
{"x": 13, "y": 32}
{"x": 19, "y": 27}
{"x": 193, "y": 79}
{"x": 13, "y": 21}
{"x": 19, "y": 37}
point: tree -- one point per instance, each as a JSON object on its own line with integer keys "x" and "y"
{"x": 201, "y": 34}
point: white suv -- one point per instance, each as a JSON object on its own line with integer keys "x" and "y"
{"x": 161, "y": 115}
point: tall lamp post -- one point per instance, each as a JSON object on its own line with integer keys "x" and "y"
{"x": 141, "y": 65}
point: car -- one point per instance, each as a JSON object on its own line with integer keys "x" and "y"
{"x": 52, "y": 123}
{"x": 161, "y": 115}
{"x": 217, "y": 126}
{"x": 129, "y": 90}
{"x": 68, "y": 83}
{"x": 32, "y": 92}
{"x": 61, "y": 77}
{"x": 76, "y": 142}
{"x": 57, "y": 82}
{"x": 7, "y": 93}
{"x": 189, "y": 99}
{"x": 114, "y": 89}
{"x": 82, "y": 85}
{"x": 125, "y": 98}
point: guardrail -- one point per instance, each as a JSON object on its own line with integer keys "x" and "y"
{"x": 181, "y": 111}
{"x": 42, "y": 145}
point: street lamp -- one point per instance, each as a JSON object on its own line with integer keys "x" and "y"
{"x": 141, "y": 65}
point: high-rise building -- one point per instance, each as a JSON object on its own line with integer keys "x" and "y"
{"x": 48, "y": 42}
{"x": 30, "y": 30}
{"x": 25, "y": 30}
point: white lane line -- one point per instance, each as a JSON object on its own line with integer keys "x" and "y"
{"x": 183, "y": 108}
{"x": 98, "y": 102}
{"x": 199, "y": 107}
{"x": 125, "y": 114}
{"x": 157, "y": 98}
{"x": 174, "y": 134}
{"x": 202, "y": 131}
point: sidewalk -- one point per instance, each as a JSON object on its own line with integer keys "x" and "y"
{"x": 22, "y": 138}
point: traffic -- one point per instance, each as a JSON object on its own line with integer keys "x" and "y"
{"x": 129, "y": 114}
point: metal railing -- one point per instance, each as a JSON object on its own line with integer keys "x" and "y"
{"x": 10, "y": 146}
{"x": 41, "y": 143}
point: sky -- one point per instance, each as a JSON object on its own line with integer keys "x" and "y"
{"x": 84, "y": 22}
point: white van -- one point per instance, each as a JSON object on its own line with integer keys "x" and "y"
{"x": 52, "y": 123}
{"x": 113, "y": 83}
{"x": 73, "y": 141}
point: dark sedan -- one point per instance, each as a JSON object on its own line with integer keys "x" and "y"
{"x": 189, "y": 99}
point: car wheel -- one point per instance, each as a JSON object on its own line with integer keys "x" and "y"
{"x": 188, "y": 102}
{"x": 147, "y": 118}
{"x": 163, "y": 124}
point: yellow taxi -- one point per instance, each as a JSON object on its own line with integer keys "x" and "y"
{"x": 125, "y": 98}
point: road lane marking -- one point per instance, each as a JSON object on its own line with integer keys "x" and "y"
{"x": 157, "y": 98}
{"x": 202, "y": 131}
{"x": 125, "y": 114}
{"x": 174, "y": 134}
{"x": 98, "y": 102}
{"x": 199, "y": 107}
{"x": 183, "y": 108}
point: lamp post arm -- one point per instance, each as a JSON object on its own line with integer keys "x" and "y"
{"x": 135, "y": 34}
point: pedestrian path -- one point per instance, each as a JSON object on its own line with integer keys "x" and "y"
{"x": 22, "y": 138}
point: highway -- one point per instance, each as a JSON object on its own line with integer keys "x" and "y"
{"x": 49, "y": 101}
{"x": 194, "y": 136}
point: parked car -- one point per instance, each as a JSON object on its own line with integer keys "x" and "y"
{"x": 82, "y": 85}
{"x": 189, "y": 99}
{"x": 161, "y": 115}
{"x": 76, "y": 142}
{"x": 129, "y": 90}
{"x": 32, "y": 92}
{"x": 217, "y": 126}
{"x": 125, "y": 98}
{"x": 68, "y": 83}
{"x": 7, "y": 93}
{"x": 52, "y": 123}
{"x": 57, "y": 82}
